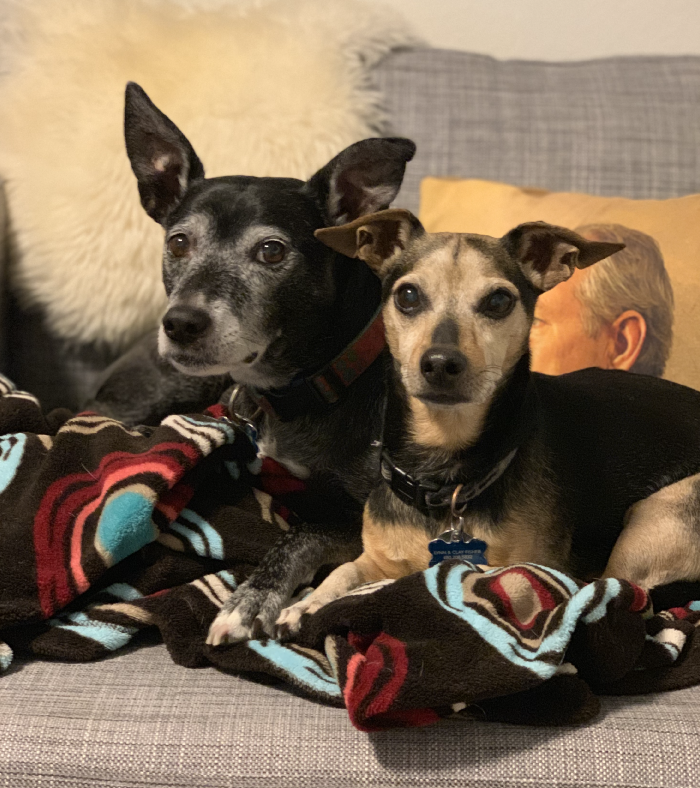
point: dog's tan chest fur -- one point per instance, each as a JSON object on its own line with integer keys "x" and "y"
{"x": 530, "y": 528}
{"x": 395, "y": 549}
{"x": 520, "y": 538}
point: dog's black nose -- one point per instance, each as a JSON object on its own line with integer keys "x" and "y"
{"x": 442, "y": 366}
{"x": 185, "y": 324}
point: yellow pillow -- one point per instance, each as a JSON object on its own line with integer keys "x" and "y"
{"x": 472, "y": 206}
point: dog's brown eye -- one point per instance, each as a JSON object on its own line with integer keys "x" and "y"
{"x": 498, "y": 304}
{"x": 407, "y": 298}
{"x": 179, "y": 245}
{"x": 271, "y": 252}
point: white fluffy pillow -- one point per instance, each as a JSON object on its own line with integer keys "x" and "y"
{"x": 274, "y": 88}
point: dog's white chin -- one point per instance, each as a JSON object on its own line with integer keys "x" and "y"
{"x": 446, "y": 405}
{"x": 200, "y": 364}
{"x": 197, "y": 371}
{"x": 248, "y": 374}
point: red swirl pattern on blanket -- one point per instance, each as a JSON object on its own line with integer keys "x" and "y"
{"x": 523, "y": 596}
{"x": 68, "y": 502}
{"x": 373, "y": 682}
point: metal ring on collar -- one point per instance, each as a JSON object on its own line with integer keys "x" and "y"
{"x": 235, "y": 416}
{"x": 457, "y": 513}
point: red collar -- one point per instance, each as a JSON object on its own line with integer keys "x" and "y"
{"x": 325, "y": 387}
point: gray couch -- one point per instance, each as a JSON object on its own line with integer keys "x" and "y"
{"x": 619, "y": 126}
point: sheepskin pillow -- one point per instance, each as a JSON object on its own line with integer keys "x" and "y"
{"x": 260, "y": 88}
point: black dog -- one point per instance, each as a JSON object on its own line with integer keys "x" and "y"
{"x": 255, "y": 296}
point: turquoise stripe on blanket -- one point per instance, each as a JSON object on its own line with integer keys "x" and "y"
{"x": 111, "y": 636}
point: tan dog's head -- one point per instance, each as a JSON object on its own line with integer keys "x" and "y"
{"x": 458, "y": 307}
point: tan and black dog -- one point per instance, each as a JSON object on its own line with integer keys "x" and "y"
{"x": 596, "y": 473}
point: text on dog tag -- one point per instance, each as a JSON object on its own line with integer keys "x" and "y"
{"x": 464, "y": 547}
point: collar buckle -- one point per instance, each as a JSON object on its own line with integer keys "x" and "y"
{"x": 404, "y": 486}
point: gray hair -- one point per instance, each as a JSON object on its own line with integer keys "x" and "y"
{"x": 634, "y": 278}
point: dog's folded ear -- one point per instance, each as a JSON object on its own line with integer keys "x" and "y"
{"x": 161, "y": 156}
{"x": 548, "y": 254}
{"x": 361, "y": 179}
{"x": 375, "y": 238}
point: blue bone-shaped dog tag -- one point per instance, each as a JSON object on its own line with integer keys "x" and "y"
{"x": 465, "y": 547}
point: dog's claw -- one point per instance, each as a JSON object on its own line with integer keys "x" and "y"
{"x": 258, "y": 630}
{"x": 282, "y": 632}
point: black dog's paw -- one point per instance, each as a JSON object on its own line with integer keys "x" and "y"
{"x": 249, "y": 613}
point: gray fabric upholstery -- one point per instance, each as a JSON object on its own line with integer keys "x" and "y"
{"x": 623, "y": 126}
{"x": 139, "y": 720}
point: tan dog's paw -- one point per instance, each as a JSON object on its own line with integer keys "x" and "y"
{"x": 289, "y": 621}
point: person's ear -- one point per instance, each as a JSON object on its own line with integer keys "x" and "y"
{"x": 628, "y": 333}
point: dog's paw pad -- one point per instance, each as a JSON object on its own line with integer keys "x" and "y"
{"x": 228, "y": 627}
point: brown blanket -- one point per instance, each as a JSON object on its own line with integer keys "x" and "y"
{"x": 107, "y": 531}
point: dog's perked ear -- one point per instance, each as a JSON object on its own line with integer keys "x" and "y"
{"x": 374, "y": 238}
{"x": 548, "y": 254}
{"x": 361, "y": 179}
{"x": 161, "y": 156}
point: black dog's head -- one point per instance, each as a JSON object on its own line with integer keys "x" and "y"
{"x": 246, "y": 278}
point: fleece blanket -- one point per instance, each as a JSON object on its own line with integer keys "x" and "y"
{"x": 107, "y": 531}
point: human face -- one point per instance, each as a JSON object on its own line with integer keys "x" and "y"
{"x": 559, "y": 341}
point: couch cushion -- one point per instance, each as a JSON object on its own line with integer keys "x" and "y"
{"x": 139, "y": 720}
{"x": 620, "y": 126}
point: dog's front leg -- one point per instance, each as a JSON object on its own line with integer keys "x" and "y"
{"x": 252, "y": 610}
{"x": 391, "y": 550}
{"x": 338, "y": 583}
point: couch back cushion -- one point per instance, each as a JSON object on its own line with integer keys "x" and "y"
{"x": 620, "y": 126}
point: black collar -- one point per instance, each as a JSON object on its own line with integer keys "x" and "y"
{"x": 429, "y": 496}
{"x": 324, "y": 388}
